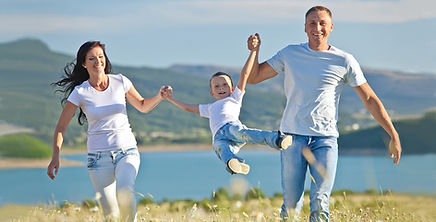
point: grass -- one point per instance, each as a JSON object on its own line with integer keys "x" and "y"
{"x": 344, "y": 206}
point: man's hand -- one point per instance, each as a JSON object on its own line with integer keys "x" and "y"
{"x": 395, "y": 150}
{"x": 253, "y": 42}
{"x": 167, "y": 92}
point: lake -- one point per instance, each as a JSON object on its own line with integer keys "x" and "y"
{"x": 195, "y": 174}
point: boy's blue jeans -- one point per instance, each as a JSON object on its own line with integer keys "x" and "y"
{"x": 233, "y": 135}
{"x": 323, "y": 170}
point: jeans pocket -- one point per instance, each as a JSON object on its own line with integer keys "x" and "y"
{"x": 134, "y": 152}
{"x": 92, "y": 160}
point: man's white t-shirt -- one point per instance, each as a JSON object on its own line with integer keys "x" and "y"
{"x": 222, "y": 111}
{"x": 108, "y": 125}
{"x": 313, "y": 81}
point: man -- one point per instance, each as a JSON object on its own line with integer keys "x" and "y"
{"x": 314, "y": 74}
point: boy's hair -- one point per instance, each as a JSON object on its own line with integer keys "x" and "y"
{"x": 317, "y": 9}
{"x": 220, "y": 74}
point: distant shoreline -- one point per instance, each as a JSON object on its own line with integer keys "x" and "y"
{"x": 20, "y": 163}
{"x": 152, "y": 148}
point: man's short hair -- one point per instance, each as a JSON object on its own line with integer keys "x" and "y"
{"x": 220, "y": 74}
{"x": 317, "y": 9}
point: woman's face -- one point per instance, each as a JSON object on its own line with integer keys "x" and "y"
{"x": 95, "y": 61}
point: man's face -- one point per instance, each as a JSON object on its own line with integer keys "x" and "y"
{"x": 221, "y": 87}
{"x": 318, "y": 27}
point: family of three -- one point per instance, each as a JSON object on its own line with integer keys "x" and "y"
{"x": 314, "y": 75}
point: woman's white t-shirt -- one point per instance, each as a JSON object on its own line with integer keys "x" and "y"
{"x": 108, "y": 125}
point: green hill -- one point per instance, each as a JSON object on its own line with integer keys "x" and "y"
{"x": 416, "y": 137}
{"x": 393, "y": 87}
{"x": 23, "y": 146}
{"x": 28, "y": 66}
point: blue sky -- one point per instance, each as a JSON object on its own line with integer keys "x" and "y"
{"x": 396, "y": 35}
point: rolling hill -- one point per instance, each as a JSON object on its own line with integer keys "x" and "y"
{"x": 416, "y": 137}
{"x": 28, "y": 66}
{"x": 394, "y": 88}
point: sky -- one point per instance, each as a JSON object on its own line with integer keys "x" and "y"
{"x": 397, "y": 35}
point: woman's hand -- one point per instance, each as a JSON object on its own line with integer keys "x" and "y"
{"x": 167, "y": 92}
{"x": 54, "y": 165}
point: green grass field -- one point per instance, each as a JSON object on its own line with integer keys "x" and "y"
{"x": 344, "y": 206}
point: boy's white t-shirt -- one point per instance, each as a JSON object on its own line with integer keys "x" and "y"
{"x": 222, "y": 111}
{"x": 313, "y": 83}
{"x": 108, "y": 125}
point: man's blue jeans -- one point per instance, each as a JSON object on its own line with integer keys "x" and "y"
{"x": 233, "y": 135}
{"x": 323, "y": 170}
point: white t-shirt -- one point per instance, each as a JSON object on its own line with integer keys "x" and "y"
{"x": 222, "y": 111}
{"x": 108, "y": 125}
{"x": 313, "y": 82}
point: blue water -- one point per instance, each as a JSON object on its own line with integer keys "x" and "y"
{"x": 195, "y": 174}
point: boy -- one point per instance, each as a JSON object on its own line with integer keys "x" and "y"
{"x": 229, "y": 134}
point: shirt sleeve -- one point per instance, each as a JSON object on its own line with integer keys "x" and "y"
{"x": 74, "y": 97}
{"x": 355, "y": 75}
{"x": 204, "y": 110}
{"x": 276, "y": 62}
{"x": 127, "y": 84}
{"x": 238, "y": 95}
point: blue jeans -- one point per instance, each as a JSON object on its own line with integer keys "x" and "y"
{"x": 233, "y": 135}
{"x": 323, "y": 170}
{"x": 113, "y": 175}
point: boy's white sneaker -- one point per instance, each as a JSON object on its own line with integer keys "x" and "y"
{"x": 285, "y": 141}
{"x": 237, "y": 167}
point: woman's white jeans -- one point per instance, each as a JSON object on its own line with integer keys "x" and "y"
{"x": 113, "y": 175}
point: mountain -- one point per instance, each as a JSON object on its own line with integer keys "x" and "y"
{"x": 394, "y": 88}
{"x": 28, "y": 101}
{"x": 28, "y": 67}
{"x": 416, "y": 137}
{"x": 274, "y": 85}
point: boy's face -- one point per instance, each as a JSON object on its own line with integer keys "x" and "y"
{"x": 221, "y": 87}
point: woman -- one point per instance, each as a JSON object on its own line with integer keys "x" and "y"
{"x": 113, "y": 157}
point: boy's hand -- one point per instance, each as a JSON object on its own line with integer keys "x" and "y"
{"x": 167, "y": 92}
{"x": 160, "y": 93}
{"x": 253, "y": 42}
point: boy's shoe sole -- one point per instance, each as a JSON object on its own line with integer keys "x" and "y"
{"x": 287, "y": 141}
{"x": 237, "y": 167}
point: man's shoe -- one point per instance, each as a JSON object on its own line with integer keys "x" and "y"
{"x": 237, "y": 167}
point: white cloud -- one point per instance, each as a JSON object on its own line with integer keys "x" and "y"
{"x": 41, "y": 24}
{"x": 384, "y": 11}
{"x": 194, "y": 12}
{"x": 265, "y": 11}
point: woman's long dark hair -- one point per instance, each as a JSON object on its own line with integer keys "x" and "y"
{"x": 76, "y": 74}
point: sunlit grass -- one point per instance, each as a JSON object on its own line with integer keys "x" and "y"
{"x": 344, "y": 206}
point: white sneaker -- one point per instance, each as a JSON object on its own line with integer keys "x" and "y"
{"x": 286, "y": 141}
{"x": 237, "y": 167}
